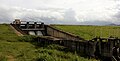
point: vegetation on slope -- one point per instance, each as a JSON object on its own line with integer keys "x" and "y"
{"x": 19, "y": 48}
{"x": 6, "y": 33}
{"x": 89, "y": 32}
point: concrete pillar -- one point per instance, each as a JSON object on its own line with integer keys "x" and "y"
{"x": 111, "y": 42}
{"x": 42, "y": 25}
{"x": 35, "y": 25}
{"x": 27, "y": 25}
{"x": 119, "y": 42}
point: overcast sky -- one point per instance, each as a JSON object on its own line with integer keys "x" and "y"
{"x": 61, "y": 11}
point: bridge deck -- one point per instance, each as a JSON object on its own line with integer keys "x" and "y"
{"x": 33, "y": 29}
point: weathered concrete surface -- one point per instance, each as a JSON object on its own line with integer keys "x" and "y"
{"x": 17, "y": 32}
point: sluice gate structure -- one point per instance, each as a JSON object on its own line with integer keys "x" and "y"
{"x": 107, "y": 49}
{"x": 40, "y": 29}
{"x": 30, "y": 28}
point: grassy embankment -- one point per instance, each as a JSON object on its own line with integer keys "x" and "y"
{"x": 89, "y": 32}
{"x": 15, "y": 48}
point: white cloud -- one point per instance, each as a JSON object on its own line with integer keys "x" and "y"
{"x": 60, "y": 11}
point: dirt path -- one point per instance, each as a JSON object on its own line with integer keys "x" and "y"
{"x": 10, "y": 58}
{"x": 17, "y": 32}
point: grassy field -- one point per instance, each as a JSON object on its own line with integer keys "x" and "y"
{"x": 15, "y": 48}
{"x": 89, "y": 32}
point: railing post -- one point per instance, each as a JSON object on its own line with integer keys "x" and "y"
{"x": 35, "y": 25}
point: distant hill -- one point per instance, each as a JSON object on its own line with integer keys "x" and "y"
{"x": 96, "y": 23}
{"x": 112, "y": 24}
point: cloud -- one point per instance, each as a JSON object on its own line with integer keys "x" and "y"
{"x": 60, "y": 11}
{"x": 44, "y": 15}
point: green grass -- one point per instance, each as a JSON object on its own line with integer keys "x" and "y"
{"x": 89, "y": 32}
{"x": 17, "y": 48}
{"x": 6, "y": 33}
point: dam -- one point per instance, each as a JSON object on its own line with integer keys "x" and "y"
{"x": 103, "y": 48}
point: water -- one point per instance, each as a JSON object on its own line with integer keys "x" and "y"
{"x": 31, "y": 33}
{"x": 39, "y": 33}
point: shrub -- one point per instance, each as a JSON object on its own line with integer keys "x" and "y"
{"x": 26, "y": 38}
{"x": 3, "y": 58}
